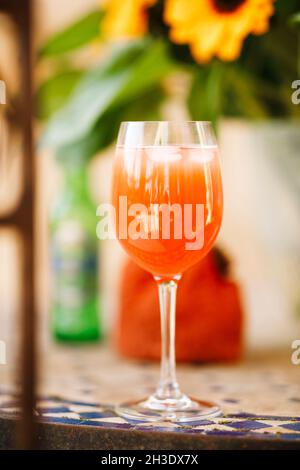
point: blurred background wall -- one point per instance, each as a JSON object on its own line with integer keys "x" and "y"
{"x": 261, "y": 223}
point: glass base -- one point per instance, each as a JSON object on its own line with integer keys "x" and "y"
{"x": 179, "y": 410}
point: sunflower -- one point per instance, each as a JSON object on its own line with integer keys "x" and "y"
{"x": 126, "y": 18}
{"x": 216, "y": 27}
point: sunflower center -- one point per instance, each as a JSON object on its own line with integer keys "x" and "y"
{"x": 227, "y": 6}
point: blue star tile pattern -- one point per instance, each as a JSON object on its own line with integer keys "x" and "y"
{"x": 96, "y": 414}
{"x": 53, "y": 410}
{"x": 248, "y": 425}
{"x": 62, "y": 410}
{"x": 293, "y": 426}
{"x": 290, "y": 437}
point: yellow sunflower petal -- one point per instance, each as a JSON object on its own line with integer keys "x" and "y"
{"x": 180, "y": 11}
{"x": 261, "y": 25}
{"x": 126, "y": 18}
{"x": 209, "y": 36}
{"x": 198, "y": 23}
{"x": 231, "y": 49}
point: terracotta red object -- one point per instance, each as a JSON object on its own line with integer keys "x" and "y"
{"x": 208, "y": 317}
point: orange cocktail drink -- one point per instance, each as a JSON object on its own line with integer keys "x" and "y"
{"x": 179, "y": 190}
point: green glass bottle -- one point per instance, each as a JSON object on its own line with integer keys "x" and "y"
{"x": 74, "y": 259}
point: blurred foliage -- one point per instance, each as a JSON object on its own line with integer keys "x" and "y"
{"x": 83, "y": 108}
{"x": 55, "y": 91}
{"x": 106, "y": 93}
{"x": 77, "y": 35}
{"x": 295, "y": 20}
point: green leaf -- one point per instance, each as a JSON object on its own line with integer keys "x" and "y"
{"x": 105, "y": 131}
{"x": 295, "y": 20}
{"x": 54, "y": 92}
{"x": 143, "y": 108}
{"x": 74, "y": 36}
{"x": 129, "y": 72}
{"x": 204, "y": 100}
{"x": 82, "y": 149}
{"x": 244, "y": 94}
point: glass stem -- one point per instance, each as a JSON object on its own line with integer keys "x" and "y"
{"x": 168, "y": 387}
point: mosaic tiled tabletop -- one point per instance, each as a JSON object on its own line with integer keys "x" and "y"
{"x": 260, "y": 397}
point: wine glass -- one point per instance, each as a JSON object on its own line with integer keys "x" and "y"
{"x": 167, "y": 196}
